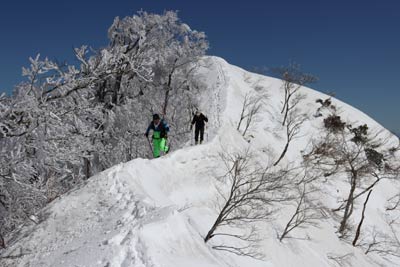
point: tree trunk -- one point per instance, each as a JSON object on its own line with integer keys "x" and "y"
{"x": 347, "y": 211}
{"x": 166, "y": 98}
{"x": 117, "y": 88}
{"x": 2, "y": 242}
{"x": 101, "y": 91}
{"x": 286, "y": 96}
{"x": 282, "y": 154}
{"x": 221, "y": 215}
{"x": 86, "y": 163}
{"x": 217, "y": 222}
{"x": 211, "y": 232}
{"x": 362, "y": 220}
{"x": 286, "y": 114}
{"x": 168, "y": 89}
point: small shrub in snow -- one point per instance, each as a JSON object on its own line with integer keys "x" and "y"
{"x": 334, "y": 123}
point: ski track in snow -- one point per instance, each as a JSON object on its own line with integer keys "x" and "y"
{"x": 155, "y": 213}
{"x": 222, "y": 84}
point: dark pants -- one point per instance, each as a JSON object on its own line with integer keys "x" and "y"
{"x": 197, "y": 131}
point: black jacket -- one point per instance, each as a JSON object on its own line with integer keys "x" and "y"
{"x": 199, "y": 120}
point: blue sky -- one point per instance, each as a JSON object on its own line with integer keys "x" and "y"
{"x": 352, "y": 46}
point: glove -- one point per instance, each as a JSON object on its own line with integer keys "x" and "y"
{"x": 147, "y": 135}
{"x": 191, "y": 127}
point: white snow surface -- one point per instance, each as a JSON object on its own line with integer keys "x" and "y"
{"x": 156, "y": 212}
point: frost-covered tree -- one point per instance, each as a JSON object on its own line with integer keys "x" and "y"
{"x": 68, "y": 122}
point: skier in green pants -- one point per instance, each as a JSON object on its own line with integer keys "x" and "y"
{"x": 160, "y": 129}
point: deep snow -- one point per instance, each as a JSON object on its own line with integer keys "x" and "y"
{"x": 157, "y": 212}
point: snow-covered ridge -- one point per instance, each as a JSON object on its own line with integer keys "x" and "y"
{"x": 157, "y": 212}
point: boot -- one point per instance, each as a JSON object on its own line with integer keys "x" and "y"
{"x": 196, "y": 142}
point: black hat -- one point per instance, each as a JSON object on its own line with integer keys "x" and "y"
{"x": 156, "y": 117}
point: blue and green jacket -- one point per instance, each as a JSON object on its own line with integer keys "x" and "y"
{"x": 159, "y": 131}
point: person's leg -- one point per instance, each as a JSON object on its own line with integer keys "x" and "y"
{"x": 201, "y": 134}
{"x": 163, "y": 145}
{"x": 196, "y": 134}
{"x": 156, "y": 147}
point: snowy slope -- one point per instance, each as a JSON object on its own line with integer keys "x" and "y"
{"x": 157, "y": 212}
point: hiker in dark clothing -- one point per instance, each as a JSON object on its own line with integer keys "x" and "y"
{"x": 160, "y": 129}
{"x": 199, "y": 120}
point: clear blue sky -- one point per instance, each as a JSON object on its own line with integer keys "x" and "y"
{"x": 353, "y": 46}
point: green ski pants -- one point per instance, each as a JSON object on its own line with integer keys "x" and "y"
{"x": 159, "y": 144}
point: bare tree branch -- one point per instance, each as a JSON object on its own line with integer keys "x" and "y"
{"x": 253, "y": 190}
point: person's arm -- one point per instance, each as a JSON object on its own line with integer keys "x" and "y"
{"x": 205, "y": 118}
{"x": 166, "y": 127}
{"x": 148, "y": 129}
{"x": 193, "y": 121}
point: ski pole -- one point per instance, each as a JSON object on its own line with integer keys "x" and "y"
{"x": 192, "y": 135}
{"x": 151, "y": 147}
{"x": 205, "y": 128}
